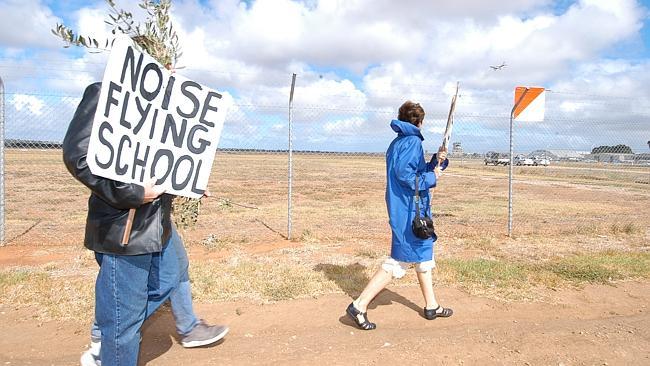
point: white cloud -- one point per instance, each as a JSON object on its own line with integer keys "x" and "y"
{"x": 27, "y": 23}
{"x": 570, "y": 107}
{"x": 358, "y": 60}
{"x": 26, "y": 102}
{"x": 91, "y": 23}
{"x": 349, "y": 126}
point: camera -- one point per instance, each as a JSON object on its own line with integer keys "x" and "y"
{"x": 423, "y": 228}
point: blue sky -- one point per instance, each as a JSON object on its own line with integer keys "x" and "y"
{"x": 357, "y": 61}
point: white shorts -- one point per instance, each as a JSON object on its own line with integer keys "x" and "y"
{"x": 398, "y": 268}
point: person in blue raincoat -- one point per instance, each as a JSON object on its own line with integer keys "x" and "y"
{"x": 405, "y": 160}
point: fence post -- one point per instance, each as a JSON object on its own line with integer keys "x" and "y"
{"x": 2, "y": 162}
{"x": 293, "y": 84}
{"x": 648, "y": 167}
{"x": 512, "y": 113}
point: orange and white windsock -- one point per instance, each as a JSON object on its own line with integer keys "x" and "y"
{"x": 531, "y": 107}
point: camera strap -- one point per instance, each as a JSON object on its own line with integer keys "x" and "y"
{"x": 417, "y": 197}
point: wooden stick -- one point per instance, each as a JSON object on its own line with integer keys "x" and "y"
{"x": 127, "y": 228}
{"x": 450, "y": 123}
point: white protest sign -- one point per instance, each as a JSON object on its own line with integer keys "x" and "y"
{"x": 153, "y": 123}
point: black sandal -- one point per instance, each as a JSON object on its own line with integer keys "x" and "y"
{"x": 354, "y": 314}
{"x": 433, "y": 313}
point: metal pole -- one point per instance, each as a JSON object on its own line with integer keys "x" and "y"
{"x": 293, "y": 85}
{"x": 2, "y": 162}
{"x": 511, "y": 161}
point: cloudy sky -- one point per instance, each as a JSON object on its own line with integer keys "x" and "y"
{"x": 357, "y": 61}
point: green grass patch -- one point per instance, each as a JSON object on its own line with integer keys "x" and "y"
{"x": 504, "y": 276}
{"x": 11, "y": 278}
{"x": 486, "y": 272}
{"x": 580, "y": 270}
{"x": 601, "y": 267}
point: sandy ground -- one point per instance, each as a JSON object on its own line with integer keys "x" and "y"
{"x": 597, "y": 325}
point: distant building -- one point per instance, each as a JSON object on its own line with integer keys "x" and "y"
{"x": 613, "y": 157}
{"x": 570, "y": 155}
{"x": 574, "y": 155}
{"x": 543, "y": 154}
{"x": 642, "y": 159}
{"x": 456, "y": 150}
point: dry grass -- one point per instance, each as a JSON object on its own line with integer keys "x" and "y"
{"x": 50, "y": 294}
{"x": 244, "y": 277}
{"x": 572, "y": 224}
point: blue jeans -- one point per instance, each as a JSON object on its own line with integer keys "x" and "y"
{"x": 181, "y": 302}
{"x": 130, "y": 288}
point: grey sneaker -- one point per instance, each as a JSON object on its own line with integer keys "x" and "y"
{"x": 203, "y": 334}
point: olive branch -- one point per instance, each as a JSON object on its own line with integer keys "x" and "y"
{"x": 156, "y": 36}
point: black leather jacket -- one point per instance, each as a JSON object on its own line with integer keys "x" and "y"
{"x": 110, "y": 201}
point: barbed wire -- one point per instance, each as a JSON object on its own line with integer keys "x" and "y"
{"x": 390, "y": 85}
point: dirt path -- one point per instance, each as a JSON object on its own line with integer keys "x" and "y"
{"x": 598, "y": 325}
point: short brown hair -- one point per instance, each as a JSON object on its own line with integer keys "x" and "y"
{"x": 411, "y": 112}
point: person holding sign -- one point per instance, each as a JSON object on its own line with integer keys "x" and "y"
{"x": 134, "y": 280}
{"x": 408, "y": 180}
{"x": 137, "y": 274}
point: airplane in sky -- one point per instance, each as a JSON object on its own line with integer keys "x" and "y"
{"x": 499, "y": 67}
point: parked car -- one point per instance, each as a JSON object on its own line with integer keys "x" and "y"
{"x": 522, "y": 160}
{"x": 541, "y": 161}
{"x": 495, "y": 158}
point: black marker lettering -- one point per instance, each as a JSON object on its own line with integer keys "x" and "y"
{"x": 121, "y": 170}
{"x": 129, "y": 59}
{"x": 105, "y": 126}
{"x": 125, "y": 107}
{"x": 191, "y": 97}
{"x": 177, "y": 136}
{"x": 170, "y": 158}
{"x": 168, "y": 92}
{"x": 196, "y": 178}
{"x": 143, "y": 115}
{"x": 139, "y": 162}
{"x": 110, "y": 100}
{"x": 207, "y": 107}
{"x": 179, "y": 186}
{"x": 202, "y": 143}
{"x": 146, "y": 94}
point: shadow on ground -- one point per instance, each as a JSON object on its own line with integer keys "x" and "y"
{"x": 352, "y": 278}
{"x": 159, "y": 335}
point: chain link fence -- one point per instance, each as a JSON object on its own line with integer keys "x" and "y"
{"x": 582, "y": 174}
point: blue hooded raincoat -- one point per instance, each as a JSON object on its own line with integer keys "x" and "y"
{"x": 405, "y": 159}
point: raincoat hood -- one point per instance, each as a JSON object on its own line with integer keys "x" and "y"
{"x": 405, "y": 129}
